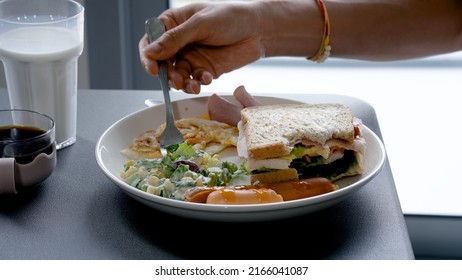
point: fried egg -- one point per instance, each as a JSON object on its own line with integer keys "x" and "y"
{"x": 199, "y": 132}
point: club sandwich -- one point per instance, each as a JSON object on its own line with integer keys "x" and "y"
{"x": 296, "y": 141}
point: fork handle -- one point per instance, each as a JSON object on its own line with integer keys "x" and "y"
{"x": 165, "y": 89}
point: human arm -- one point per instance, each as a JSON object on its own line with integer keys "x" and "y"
{"x": 205, "y": 40}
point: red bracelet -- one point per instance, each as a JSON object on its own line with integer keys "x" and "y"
{"x": 324, "y": 51}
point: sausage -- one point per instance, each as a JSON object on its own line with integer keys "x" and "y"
{"x": 199, "y": 194}
{"x": 243, "y": 196}
{"x": 232, "y": 195}
{"x": 298, "y": 189}
{"x": 261, "y": 193}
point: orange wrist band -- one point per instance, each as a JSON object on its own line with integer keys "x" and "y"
{"x": 325, "y": 49}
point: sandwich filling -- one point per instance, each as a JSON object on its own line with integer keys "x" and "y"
{"x": 333, "y": 159}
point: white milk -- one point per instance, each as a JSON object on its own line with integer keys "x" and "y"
{"x": 41, "y": 74}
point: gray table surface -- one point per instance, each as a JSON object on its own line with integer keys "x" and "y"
{"x": 78, "y": 213}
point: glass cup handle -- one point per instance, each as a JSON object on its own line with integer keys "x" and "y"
{"x": 7, "y": 183}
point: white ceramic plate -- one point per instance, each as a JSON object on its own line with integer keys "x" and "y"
{"x": 121, "y": 134}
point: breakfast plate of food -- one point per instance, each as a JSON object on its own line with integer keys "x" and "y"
{"x": 280, "y": 159}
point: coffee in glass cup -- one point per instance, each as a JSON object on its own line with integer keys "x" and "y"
{"x": 27, "y": 149}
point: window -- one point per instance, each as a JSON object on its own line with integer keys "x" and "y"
{"x": 411, "y": 98}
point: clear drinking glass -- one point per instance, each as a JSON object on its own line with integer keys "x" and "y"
{"x": 27, "y": 149}
{"x": 40, "y": 42}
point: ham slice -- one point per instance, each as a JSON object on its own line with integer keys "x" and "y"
{"x": 227, "y": 112}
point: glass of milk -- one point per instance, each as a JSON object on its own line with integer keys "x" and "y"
{"x": 40, "y": 42}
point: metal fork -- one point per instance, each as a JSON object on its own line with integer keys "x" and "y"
{"x": 171, "y": 134}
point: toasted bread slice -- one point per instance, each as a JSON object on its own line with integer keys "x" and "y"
{"x": 273, "y": 130}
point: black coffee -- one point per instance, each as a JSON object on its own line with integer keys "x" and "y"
{"x": 23, "y": 153}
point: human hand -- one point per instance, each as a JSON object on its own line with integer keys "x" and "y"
{"x": 204, "y": 41}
